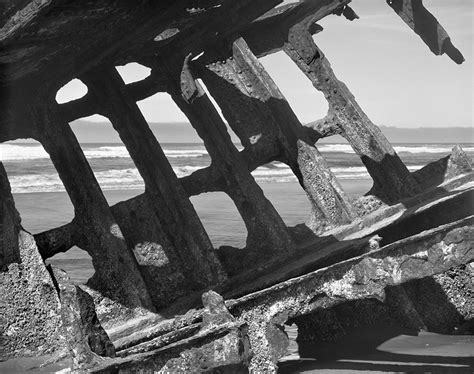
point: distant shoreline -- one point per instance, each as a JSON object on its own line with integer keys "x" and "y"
{"x": 332, "y": 142}
{"x": 88, "y": 132}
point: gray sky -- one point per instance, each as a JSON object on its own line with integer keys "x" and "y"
{"x": 393, "y": 75}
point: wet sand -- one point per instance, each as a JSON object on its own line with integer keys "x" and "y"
{"x": 381, "y": 349}
{"x": 34, "y": 365}
{"x": 44, "y": 211}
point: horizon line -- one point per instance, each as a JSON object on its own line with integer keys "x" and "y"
{"x": 380, "y": 126}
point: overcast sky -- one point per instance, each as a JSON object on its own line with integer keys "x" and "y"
{"x": 393, "y": 75}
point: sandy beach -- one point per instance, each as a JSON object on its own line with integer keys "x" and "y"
{"x": 47, "y": 210}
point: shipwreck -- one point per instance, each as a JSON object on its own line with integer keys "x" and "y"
{"x": 162, "y": 298}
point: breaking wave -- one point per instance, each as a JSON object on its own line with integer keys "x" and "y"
{"x": 30, "y": 170}
{"x": 23, "y": 152}
{"x": 17, "y": 152}
{"x": 127, "y": 179}
{"x": 414, "y": 149}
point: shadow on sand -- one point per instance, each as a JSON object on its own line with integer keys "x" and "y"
{"x": 380, "y": 348}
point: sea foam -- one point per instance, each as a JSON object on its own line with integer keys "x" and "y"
{"x": 19, "y": 152}
{"x": 126, "y": 179}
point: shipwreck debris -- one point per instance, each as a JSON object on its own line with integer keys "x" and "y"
{"x": 412, "y": 233}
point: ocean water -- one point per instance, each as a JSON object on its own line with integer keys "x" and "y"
{"x": 30, "y": 169}
{"x": 43, "y": 204}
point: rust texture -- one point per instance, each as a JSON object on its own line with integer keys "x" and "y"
{"x": 152, "y": 257}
